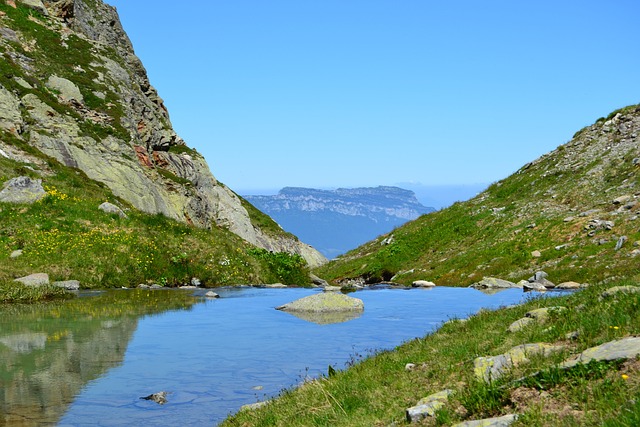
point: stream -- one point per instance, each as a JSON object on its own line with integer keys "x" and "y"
{"x": 89, "y": 361}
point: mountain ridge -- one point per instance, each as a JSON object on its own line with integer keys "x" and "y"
{"x": 334, "y": 221}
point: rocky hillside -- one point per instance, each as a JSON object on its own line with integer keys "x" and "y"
{"x": 334, "y": 221}
{"x": 72, "y": 87}
{"x": 573, "y": 213}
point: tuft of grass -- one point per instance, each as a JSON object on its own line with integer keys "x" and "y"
{"x": 12, "y": 293}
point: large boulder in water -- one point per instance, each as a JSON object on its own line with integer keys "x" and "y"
{"x": 325, "y": 307}
{"x": 325, "y": 302}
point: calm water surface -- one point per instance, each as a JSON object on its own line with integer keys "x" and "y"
{"x": 92, "y": 367}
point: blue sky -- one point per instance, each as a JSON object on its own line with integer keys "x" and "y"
{"x": 347, "y": 93}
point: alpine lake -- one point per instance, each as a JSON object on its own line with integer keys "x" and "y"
{"x": 90, "y": 360}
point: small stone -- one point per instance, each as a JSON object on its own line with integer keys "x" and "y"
{"x": 423, "y": 284}
{"x": 568, "y": 219}
{"x": 37, "y": 279}
{"x": 574, "y": 335}
{"x": 428, "y": 406}
{"x": 569, "y": 285}
{"x": 112, "y": 209}
{"x": 160, "y": 398}
{"x": 22, "y": 190}
{"x": 621, "y": 241}
{"x": 16, "y": 254}
{"x": 538, "y": 275}
{"x": 536, "y": 254}
{"x": 622, "y": 199}
{"x": 616, "y": 290}
{"x": 409, "y": 366}
{"x": 520, "y": 324}
{"x": 211, "y": 294}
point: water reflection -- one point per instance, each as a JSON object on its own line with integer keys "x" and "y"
{"x": 326, "y": 318}
{"x": 49, "y": 352}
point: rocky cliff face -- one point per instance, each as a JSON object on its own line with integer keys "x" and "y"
{"x": 338, "y": 220}
{"x": 73, "y": 88}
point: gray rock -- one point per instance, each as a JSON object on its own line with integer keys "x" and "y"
{"x": 36, "y": 5}
{"x": 423, "y": 284}
{"x": 536, "y": 254}
{"x": 16, "y": 254}
{"x": 494, "y": 283}
{"x": 318, "y": 281}
{"x": 520, "y": 324}
{"x": 324, "y": 302}
{"x": 542, "y": 314}
{"x": 617, "y": 290}
{"x": 22, "y": 190}
{"x": 491, "y": 368}
{"x": 534, "y": 286}
{"x": 70, "y": 285}
{"x": 622, "y": 199}
{"x": 334, "y": 288}
{"x": 621, "y": 241}
{"x": 36, "y": 279}
{"x": 274, "y": 286}
{"x": 428, "y": 406}
{"x": 211, "y": 294}
{"x": 112, "y": 209}
{"x": 68, "y": 90}
{"x": 546, "y": 283}
{"x": 625, "y": 348}
{"x": 10, "y": 116}
{"x": 160, "y": 398}
{"x": 569, "y": 285}
{"x": 538, "y": 275}
{"x": 503, "y": 421}
{"x": 9, "y": 34}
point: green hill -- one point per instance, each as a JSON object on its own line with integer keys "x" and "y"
{"x": 564, "y": 213}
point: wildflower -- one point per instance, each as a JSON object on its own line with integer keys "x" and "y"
{"x": 625, "y": 377}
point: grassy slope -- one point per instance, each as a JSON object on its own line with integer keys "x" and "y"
{"x": 495, "y": 233}
{"x": 65, "y": 235}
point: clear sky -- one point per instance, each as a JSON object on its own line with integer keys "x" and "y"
{"x": 347, "y": 93}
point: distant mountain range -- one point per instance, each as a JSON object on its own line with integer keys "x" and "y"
{"x": 335, "y": 221}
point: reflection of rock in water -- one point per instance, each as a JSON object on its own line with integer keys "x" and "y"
{"x": 326, "y": 318}
{"x": 25, "y": 343}
{"x": 37, "y": 385}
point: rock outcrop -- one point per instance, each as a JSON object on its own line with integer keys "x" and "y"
{"x": 103, "y": 116}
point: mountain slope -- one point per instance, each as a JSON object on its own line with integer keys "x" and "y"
{"x": 572, "y": 212}
{"x": 334, "y": 221}
{"x": 72, "y": 87}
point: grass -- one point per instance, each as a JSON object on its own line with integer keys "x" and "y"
{"x": 378, "y": 390}
{"x": 66, "y": 236}
{"x": 12, "y": 293}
